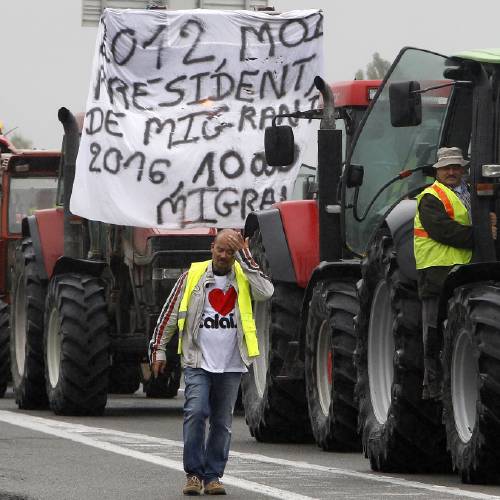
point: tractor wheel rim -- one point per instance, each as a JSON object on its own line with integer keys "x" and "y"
{"x": 324, "y": 367}
{"x": 464, "y": 386}
{"x": 262, "y": 316}
{"x": 53, "y": 355}
{"x": 381, "y": 352}
{"x": 20, "y": 325}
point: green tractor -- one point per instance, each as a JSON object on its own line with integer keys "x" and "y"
{"x": 427, "y": 101}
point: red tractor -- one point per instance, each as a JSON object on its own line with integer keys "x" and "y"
{"x": 86, "y": 299}
{"x": 28, "y": 180}
{"x": 289, "y": 387}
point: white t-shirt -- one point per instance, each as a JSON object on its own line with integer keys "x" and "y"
{"x": 218, "y": 337}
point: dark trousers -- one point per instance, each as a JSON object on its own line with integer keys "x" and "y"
{"x": 432, "y": 347}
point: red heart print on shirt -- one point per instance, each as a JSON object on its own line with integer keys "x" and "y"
{"x": 222, "y": 302}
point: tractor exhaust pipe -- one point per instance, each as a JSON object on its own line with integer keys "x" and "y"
{"x": 328, "y": 120}
{"x": 72, "y": 225}
{"x": 329, "y": 173}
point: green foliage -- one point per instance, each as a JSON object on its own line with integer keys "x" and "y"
{"x": 21, "y": 142}
{"x": 375, "y": 70}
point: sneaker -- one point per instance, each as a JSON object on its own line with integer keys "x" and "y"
{"x": 215, "y": 487}
{"x": 193, "y": 486}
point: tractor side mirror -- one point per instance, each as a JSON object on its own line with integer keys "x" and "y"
{"x": 406, "y": 104}
{"x": 354, "y": 176}
{"x": 279, "y": 145}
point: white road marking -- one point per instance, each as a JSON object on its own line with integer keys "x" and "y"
{"x": 73, "y": 432}
{"x": 119, "y": 442}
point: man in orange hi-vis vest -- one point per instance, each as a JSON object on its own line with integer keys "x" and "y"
{"x": 443, "y": 237}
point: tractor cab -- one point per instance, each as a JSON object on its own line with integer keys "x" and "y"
{"x": 28, "y": 183}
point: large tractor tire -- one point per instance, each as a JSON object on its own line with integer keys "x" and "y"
{"x": 275, "y": 406}
{"x": 471, "y": 388}
{"x": 26, "y": 331}
{"x": 124, "y": 376}
{"x": 329, "y": 365}
{"x": 4, "y": 348}
{"x": 400, "y": 431}
{"x": 76, "y": 345}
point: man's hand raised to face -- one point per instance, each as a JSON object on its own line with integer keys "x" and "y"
{"x": 234, "y": 240}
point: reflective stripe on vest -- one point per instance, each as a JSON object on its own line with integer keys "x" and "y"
{"x": 429, "y": 252}
{"x": 196, "y": 271}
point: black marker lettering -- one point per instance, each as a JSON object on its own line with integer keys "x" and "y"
{"x": 95, "y": 150}
{"x": 247, "y": 114}
{"x": 129, "y": 35}
{"x": 109, "y": 122}
{"x": 224, "y": 163}
{"x": 225, "y": 208}
{"x": 184, "y": 32}
{"x": 174, "y": 200}
{"x": 157, "y": 34}
{"x": 263, "y": 35}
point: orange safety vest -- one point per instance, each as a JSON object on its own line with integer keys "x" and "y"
{"x": 429, "y": 252}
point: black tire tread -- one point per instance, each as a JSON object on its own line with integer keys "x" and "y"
{"x": 281, "y": 414}
{"x": 4, "y": 348}
{"x": 476, "y": 307}
{"x": 83, "y": 378}
{"x": 29, "y": 386}
{"x": 412, "y": 439}
{"x": 335, "y": 302}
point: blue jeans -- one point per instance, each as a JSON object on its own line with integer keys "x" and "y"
{"x": 213, "y": 396}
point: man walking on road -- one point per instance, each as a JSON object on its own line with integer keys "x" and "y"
{"x": 443, "y": 237}
{"x": 211, "y": 306}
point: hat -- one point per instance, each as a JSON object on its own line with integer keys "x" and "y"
{"x": 450, "y": 156}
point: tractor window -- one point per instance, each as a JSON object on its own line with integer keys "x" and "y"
{"x": 384, "y": 150}
{"x": 27, "y": 195}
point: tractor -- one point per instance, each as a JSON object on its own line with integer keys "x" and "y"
{"x": 288, "y": 390}
{"x": 426, "y": 101}
{"x": 86, "y": 299}
{"x": 429, "y": 100}
{"x": 28, "y": 181}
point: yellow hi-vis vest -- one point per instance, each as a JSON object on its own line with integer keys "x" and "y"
{"x": 429, "y": 252}
{"x": 195, "y": 272}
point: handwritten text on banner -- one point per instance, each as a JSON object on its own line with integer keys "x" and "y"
{"x": 178, "y": 102}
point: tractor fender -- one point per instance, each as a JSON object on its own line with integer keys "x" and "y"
{"x": 29, "y": 229}
{"x": 79, "y": 266}
{"x": 46, "y": 230}
{"x": 464, "y": 274}
{"x": 274, "y": 241}
{"x": 343, "y": 269}
{"x": 290, "y": 235}
{"x": 400, "y": 224}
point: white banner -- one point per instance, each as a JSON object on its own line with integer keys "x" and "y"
{"x": 173, "y": 135}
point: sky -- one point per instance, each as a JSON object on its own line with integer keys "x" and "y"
{"x": 46, "y": 55}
